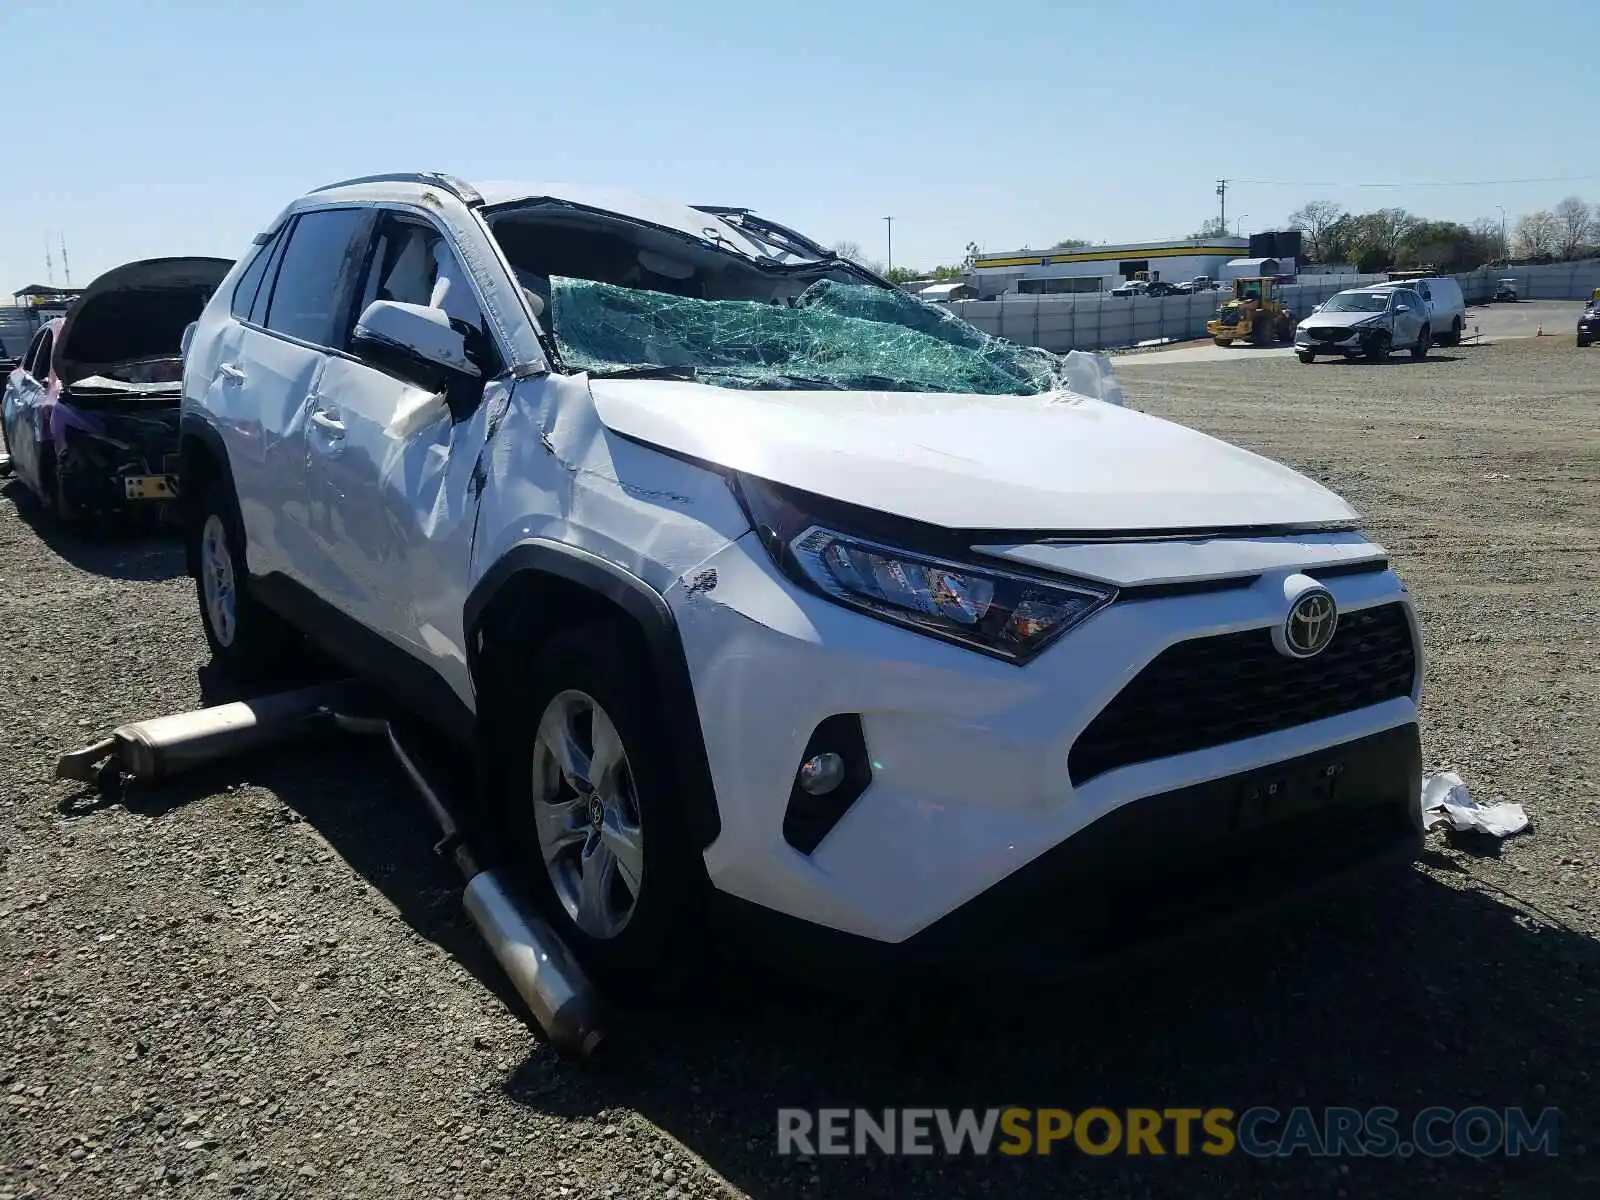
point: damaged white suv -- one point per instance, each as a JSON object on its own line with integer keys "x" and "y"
{"x": 763, "y": 592}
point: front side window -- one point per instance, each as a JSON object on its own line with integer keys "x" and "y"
{"x": 311, "y": 292}
{"x": 412, "y": 262}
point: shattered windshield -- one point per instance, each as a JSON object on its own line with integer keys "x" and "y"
{"x": 835, "y": 335}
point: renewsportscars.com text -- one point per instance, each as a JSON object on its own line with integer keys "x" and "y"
{"x": 1258, "y": 1132}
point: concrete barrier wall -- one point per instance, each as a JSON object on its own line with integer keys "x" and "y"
{"x": 1098, "y": 322}
{"x": 1101, "y": 322}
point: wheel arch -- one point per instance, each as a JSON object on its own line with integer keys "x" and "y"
{"x": 539, "y": 587}
{"x": 202, "y": 456}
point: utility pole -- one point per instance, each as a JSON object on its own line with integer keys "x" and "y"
{"x": 49, "y": 263}
{"x": 889, "y": 221}
{"x": 1222, "y": 200}
{"x": 65, "y": 268}
{"x": 1503, "y": 253}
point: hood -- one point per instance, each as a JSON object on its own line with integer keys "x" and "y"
{"x": 1339, "y": 320}
{"x": 136, "y": 311}
{"x": 1058, "y": 463}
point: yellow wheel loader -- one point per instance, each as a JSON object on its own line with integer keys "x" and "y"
{"x": 1254, "y": 314}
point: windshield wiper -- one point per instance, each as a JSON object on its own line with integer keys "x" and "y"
{"x": 647, "y": 371}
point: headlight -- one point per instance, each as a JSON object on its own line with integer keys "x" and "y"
{"x": 996, "y": 612}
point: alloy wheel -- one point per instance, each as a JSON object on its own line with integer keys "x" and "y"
{"x": 586, "y": 815}
{"x": 217, "y": 581}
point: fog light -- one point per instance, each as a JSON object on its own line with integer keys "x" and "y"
{"x": 822, "y": 773}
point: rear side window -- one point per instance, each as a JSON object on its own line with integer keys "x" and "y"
{"x": 244, "y": 292}
{"x": 311, "y": 293}
{"x": 38, "y": 361}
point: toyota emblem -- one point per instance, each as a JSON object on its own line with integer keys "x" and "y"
{"x": 1310, "y": 625}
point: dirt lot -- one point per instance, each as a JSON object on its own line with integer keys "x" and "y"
{"x": 260, "y": 985}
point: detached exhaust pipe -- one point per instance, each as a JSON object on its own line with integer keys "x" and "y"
{"x": 533, "y": 956}
{"x": 163, "y": 747}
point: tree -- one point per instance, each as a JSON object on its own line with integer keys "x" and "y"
{"x": 1214, "y": 227}
{"x": 850, "y": 250}
{"x": 901, "y": 274}
{"x": 1574, "y": 222}
{"x": 1537, "y": 235}
{"x": 1070, "y": 244}
{"x": 1489, "y": 231}
{"x": 1448, "y": 245}
{"x": 1315, "y": 220}
{"x": 972, "y": 255}
{"x": 1375, "y": 238}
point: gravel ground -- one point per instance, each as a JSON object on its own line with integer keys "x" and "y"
{"x": 259, "y": 985}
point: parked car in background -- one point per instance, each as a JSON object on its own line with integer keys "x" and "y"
{"x": 90, "y": 414}
{"x": 1367, "y": 323}
{"x": 1447, "y": 307}
{"x": 1159, "y": 287}
{"x": 1133, "y": 287}
{"x": 1506, "y": 289}
{"x": 586, "y": 557}
{"x": 1589, "y": 321}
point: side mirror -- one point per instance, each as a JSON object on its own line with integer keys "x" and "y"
{"x": 1316, "y": 308}
{"x": 415, "y": 335}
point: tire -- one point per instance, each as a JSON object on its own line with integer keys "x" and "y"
{"x": 1263, "y": 333}
{"x": 1453, "y": 338}
{"x": 62, "y": 509}
{"x": 1221, "y": 341}
{"x": 249, "y": 642}
{"x": 1380, "y": 347}
{"x": 641, "y": 929}
{"x": 1582, "y": 342}
{"x": 1424, "y": 342}
{"x": 1306, "y": 356}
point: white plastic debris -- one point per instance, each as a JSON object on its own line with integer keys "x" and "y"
{"x": 1089, "y": 374}
{"x": 1445, "y": 798}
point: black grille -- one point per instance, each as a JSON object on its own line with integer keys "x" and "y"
{"x": 1325, "y": 334}
{"x": 1216, "y": 690}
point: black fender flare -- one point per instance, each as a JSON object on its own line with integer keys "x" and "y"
{"x": 659, "y": 629}
{"x": 195, "y": 431}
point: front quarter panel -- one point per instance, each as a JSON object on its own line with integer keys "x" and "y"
{"x": 554, "y": 471}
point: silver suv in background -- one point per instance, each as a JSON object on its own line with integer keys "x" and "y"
{"x": 1366, "y": 322}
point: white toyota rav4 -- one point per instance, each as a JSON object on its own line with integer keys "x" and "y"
{"x": 764, "y": 593}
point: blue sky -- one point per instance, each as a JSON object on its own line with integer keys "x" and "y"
{"x": 179, "y": 126}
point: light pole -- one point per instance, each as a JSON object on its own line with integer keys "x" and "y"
{"x": 1502, "y": 209}
{"x": 889, "y": 221}
{"x": 1238, "y": 225}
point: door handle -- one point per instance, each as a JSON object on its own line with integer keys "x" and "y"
{"x": 229, "y": 371}
{"x": 329, "y": 424}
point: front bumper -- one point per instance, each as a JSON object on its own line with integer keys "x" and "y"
{"x": 1588, "y": 330}
{"x": 120, "y": 462}
{"x": 1149, "y": 876}
{"x": 1350, "y": 341}
{"x": 970, "y": 773}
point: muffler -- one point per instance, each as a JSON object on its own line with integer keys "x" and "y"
{"x": 529, "y": 951}
{"x": 163, "y": 747}
{"x": 533, "y": 956}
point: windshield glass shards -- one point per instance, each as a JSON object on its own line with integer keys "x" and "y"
{"x": 835, "y": 335}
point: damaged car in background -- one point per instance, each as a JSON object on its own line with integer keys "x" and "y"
{"x": 769, "y": 598}
{"x": 91, "y": 412}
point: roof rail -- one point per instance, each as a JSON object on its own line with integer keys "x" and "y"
{"x": 461, "y": 190}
